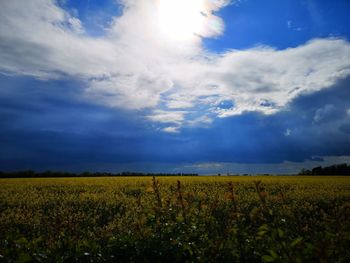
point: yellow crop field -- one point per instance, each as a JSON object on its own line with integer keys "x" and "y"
{"x": 178, "y": 219}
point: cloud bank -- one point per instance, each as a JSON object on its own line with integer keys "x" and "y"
{"x": 52, "y": 128}
{"x": 175, "y": 83}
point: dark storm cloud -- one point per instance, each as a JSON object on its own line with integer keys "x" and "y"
{"x": 45, "y": 125}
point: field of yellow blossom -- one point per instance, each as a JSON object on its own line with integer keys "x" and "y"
{"x": 178, "y": 219}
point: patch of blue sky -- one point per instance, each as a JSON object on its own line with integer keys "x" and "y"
{"x": 226, "y": 104}
{"x": 280, "y": 24}
{"x": 95, "y": 15}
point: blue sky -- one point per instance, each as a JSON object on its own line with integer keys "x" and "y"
{"x": 281, "y": 24}
{"x": 214, "y": 86}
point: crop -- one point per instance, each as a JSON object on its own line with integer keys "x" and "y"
{"x": 175, "y": 219}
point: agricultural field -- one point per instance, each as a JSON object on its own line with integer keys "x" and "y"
{"x": 175, "y": 219}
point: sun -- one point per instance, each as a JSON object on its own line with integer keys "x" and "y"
{"x": 181, "y": 20}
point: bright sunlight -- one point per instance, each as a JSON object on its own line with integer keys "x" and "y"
{"x": 181, "y": 20}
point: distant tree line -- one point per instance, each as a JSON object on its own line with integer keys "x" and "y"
{"x": 49, "y": 174}
{"x": 337, "y": 169}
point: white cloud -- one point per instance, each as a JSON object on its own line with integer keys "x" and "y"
{"x": 171, "y": 129}
{"x": 176, "y": 117}
{"x": 203, "y": 121}
{"x": 135, "y": 67}
{"x": 128, "y": 91}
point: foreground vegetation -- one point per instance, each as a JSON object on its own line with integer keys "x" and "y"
{"x": 193, "y": 219}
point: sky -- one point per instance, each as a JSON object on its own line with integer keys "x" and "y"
{"x": 193, "y": 86}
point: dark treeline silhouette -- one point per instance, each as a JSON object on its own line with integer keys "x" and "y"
{"x": 49, "y": 174}
{"x": 337, "y": 169}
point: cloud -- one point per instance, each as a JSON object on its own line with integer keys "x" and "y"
{"x": 133, "y": 66}
{"x": 167, "y": 116}
{"x": 171, "y": 129}
{"x": 46, "y": 125}
{"x": 40, "y": 39}
{"x": 324, "y": 113}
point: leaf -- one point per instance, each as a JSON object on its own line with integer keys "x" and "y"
{"x": 264, "y": 227}
{"x": 296, "y": 241}
{"x": 254, "y": 213}
{"x": 262, "y": 232}
{"x": 280, "y": 232}
{"x": 268, "y": 258}
{"x": 273, "y": 254}
{"x": 24, "y": 257}
{"x": 179, "y": 218}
